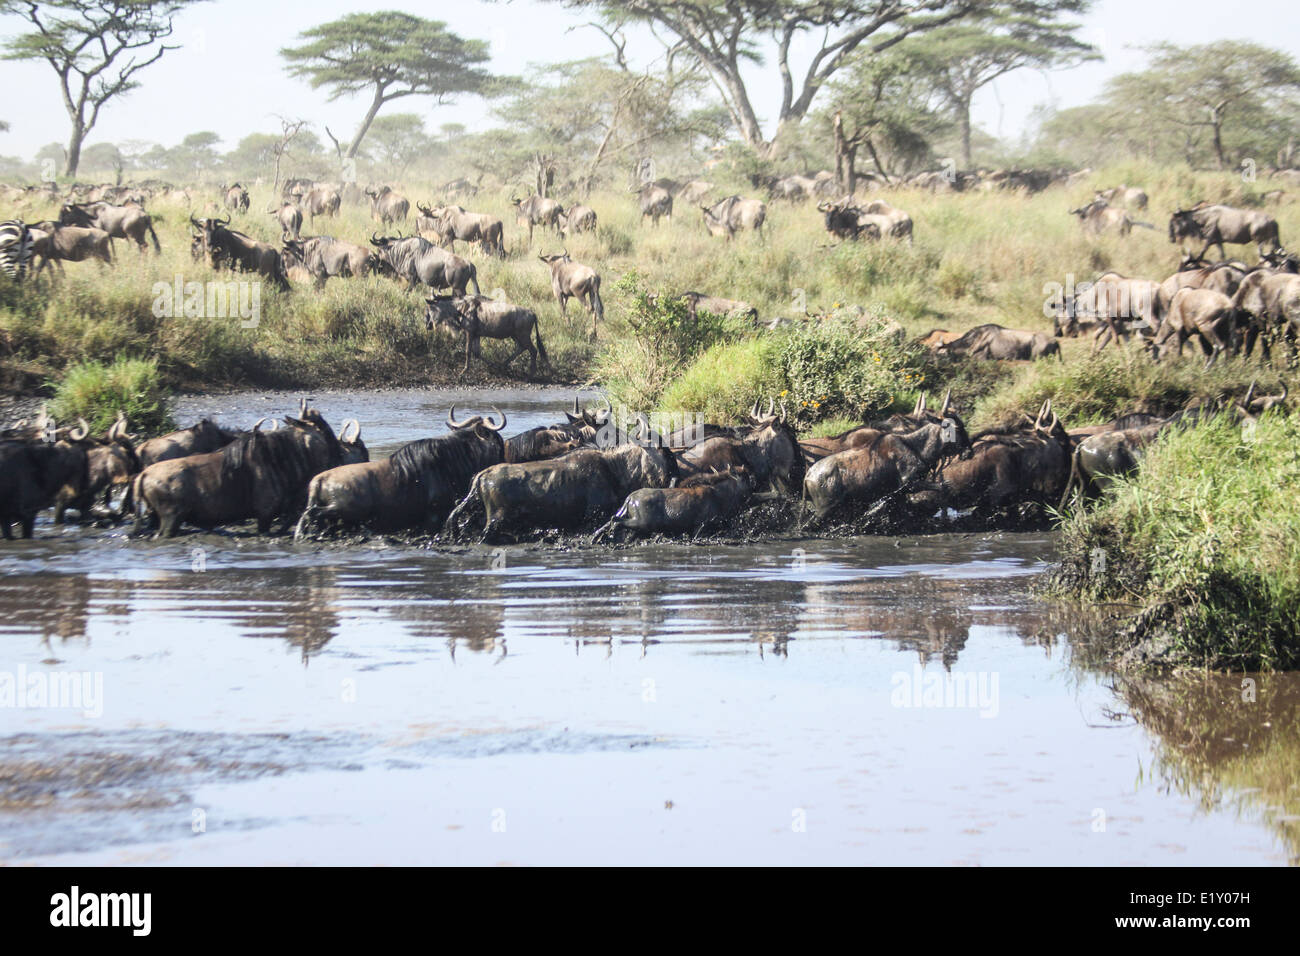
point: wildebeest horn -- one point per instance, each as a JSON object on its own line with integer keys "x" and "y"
{"x": 374, "y": 238}
{"x": 451, "y": 418}
{"x": 302, "y": 407}
{"x": 350, "y": 423}
{"x": 1249, "y": 392}
{"x": 919, "y": 409}
{"x": 275, "y": 423}
{"x": 947, "y": 400}
{"x": 81, "y": 431}
{"x": 487, "y": 422}
{"x": 576, "y": 410}
{"x": 771, "y": 407}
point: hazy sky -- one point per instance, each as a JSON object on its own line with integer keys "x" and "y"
{"x": 229, "y": 78}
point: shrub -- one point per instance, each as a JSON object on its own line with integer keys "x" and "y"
{"x": 97, "y": 392}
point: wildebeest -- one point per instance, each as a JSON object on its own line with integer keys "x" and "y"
{"x": 111, "y": 463}
{"x": 229, "y": 248}
{"x": 844, "y": 220}
{"x": 237, "y": 198}
{"x": 325, "y": 256}
{"x": 1113, "y": 304}
{"x": 320, "y": 201}
{"x": 420, "y": 262}
{"x": 1270, "y": 304}
{"x": 32, "y": 473}
{"x": 121, "y": 222}
{"x": 697, "y": 302}
{"x": 886, "y": 464}
{"x": 815, "y": 449}
{"x": 477, "y": 317}
{"x": 536, "y": 211}
{"x": 388, "y": 206}
{"x": 1029, "y": 462}
{"x": 656, "y": 203}
{"x": 543, "y": 442}
{"x": 414, "y": 488}
{"x": 453, "y": 222}
{"x": 573, "y": 280}
{"x": 52, "y": 242}
{"x": 1099, "y": 458}
{"x": 1124, "y": 195}
{"x": 1215, "y": 224}
{"x": 575, "y": 490}
{"x": 733, "y": 214}
{"x": 203, "y": 436}
{"x": 900, "y": 222}
{"x": 1204, "y": 313}
{"x": 991, "y": 341}
{"x": 578, "y": 218}
{"x": 793, "y": 188}
{"x": 690, "y": 507}
{"x": 289, "y": 217}
{"x": 1225, "y": 277}
{"x": 261, "y": 475}
{"x": 768, "y": 451}
{"x": 1098, "y": 216}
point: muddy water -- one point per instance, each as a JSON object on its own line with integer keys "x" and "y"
{"x": 872, "y": 700}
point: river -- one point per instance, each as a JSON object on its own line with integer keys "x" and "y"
{"x": 866, "y": 700}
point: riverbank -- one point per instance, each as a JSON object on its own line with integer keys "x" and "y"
{"x": 1204, "y": 543}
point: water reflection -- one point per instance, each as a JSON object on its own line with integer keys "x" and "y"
{"x": 1225, "y": 740}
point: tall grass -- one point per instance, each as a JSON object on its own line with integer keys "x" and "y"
{"x": 978, "y": 257}
{"x": 1207, "y": 535}
{"x": 98, "y": 392}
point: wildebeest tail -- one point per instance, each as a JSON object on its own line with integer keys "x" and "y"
{"x": 537, "y": 333}
{"x": 597, "y": 305}
{"x": 1144, "y": 225}
{"x": 1069, "y": 484}
{"x": 154, "y": 236}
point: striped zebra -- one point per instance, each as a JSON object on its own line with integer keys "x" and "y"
{"x": 15, "y": 248}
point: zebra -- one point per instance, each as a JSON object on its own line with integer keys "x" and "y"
{"x": 15, "y": 248}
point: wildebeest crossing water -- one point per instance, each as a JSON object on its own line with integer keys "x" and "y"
{"x": 224, "y": 697}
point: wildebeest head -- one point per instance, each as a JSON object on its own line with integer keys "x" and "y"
{"x": 444, "y": 311}
{"x": 551, "y": 260}
{"x": 1183, "y": 224}
{"x": 354, "y": 449}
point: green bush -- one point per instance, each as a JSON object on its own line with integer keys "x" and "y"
{"x": 844, "y": 368}
{"x": 97, "y": 392}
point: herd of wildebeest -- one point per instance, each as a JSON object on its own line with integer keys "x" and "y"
{"x": 590, "y": 474}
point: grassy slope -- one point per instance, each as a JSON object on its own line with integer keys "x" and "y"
{"x": 983, "y": 257}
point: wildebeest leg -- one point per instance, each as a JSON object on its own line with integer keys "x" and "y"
{"x": 6, "y": 529}
{"x": 29, "y": 525}
{"x": 263, "y": 524}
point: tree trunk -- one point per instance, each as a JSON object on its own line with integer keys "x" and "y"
{"x": 1217, "y": 126}
{"x": 963, "y": 121}
{"x": 371, "y": 113}
{"x": 74, "y": 147}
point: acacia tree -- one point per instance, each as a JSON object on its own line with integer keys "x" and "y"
{"x": 964, "y": 57}
{"x": 95, "y": 47}
{"x": 724, "y": 36}
{"x": 1202, "y": 89}
{"x": 889, "y": 105}
{"x": 391, "y": 55}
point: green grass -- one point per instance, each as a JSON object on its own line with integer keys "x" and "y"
{"x": 1208, "y": 531}
{"x": 98, "y": 392}
{"x": 978, "y": 257}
